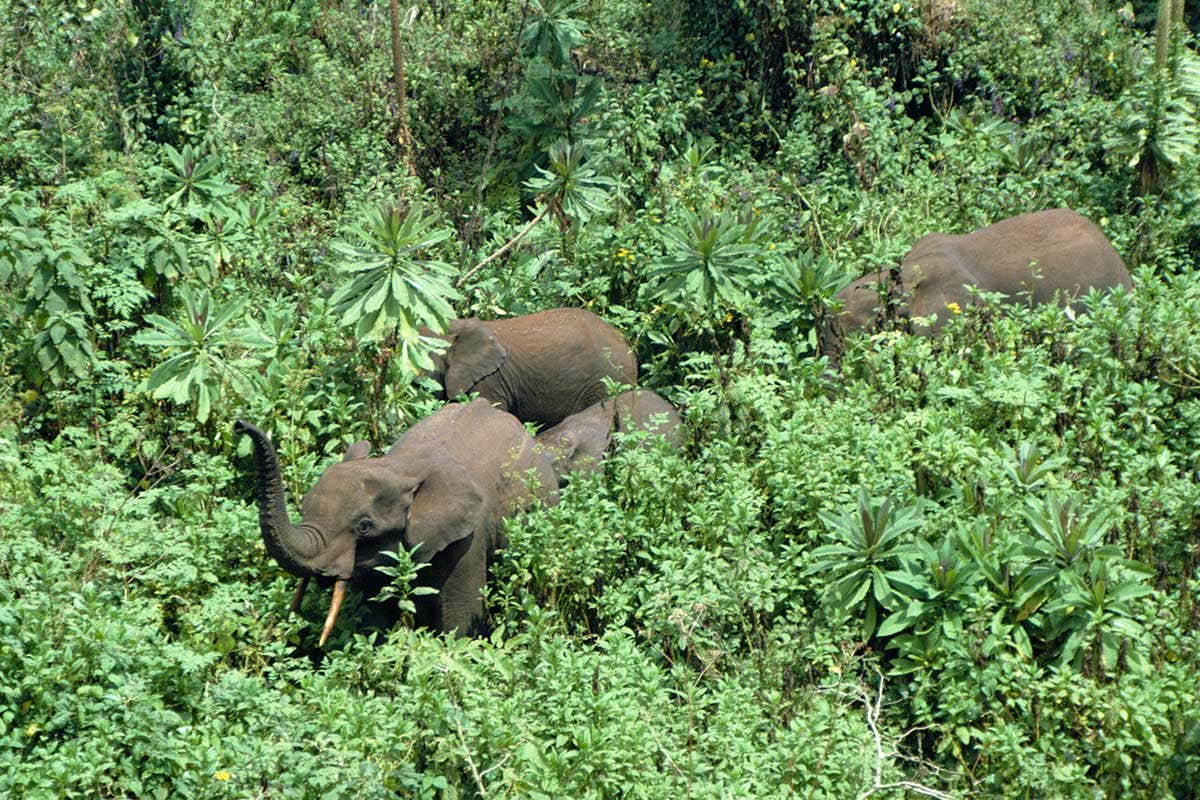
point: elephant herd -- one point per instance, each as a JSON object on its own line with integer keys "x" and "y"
{"x": 443, "y": 490}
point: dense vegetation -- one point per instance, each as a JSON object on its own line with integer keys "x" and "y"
{"x": 960, "y": 566}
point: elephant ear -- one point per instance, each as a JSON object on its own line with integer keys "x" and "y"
{"x": 391, "y": 501}
{"x": 357, "y": 450}
{"x": 449, "y": 505}
{"x": 475, "y": 354}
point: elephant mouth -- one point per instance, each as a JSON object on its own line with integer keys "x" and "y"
{"x": 367, "y": 556}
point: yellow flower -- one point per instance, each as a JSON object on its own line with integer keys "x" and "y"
{"x": 895, "y": 8}
{"x": 771, "y": 246}
{"x": 954, "y": 309}
{"x": 699, "y": 93}
{"x": 1109, "y": 58}
{"x": 222, "y": 775}
{"x": 706, "y": 63}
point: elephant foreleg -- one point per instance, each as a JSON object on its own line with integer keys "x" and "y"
{"x": 460, "y": 602}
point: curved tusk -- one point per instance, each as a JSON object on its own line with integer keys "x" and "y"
{"x": 299, "y": 595}
{"x": 335, "y": 605}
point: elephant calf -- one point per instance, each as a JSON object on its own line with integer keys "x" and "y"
{"x": 579, "y": 442}
{"x": 444, "y": 488}
{"x": 1041, "y": 257}
{"x": 538, "y": 367}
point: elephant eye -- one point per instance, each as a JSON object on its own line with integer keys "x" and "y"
{"x": 364, "y": 527}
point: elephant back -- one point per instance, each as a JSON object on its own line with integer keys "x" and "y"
{"x": 492, "y": 445}
{"x": 1043, "y": 256}
{"x": 558, "y": 362}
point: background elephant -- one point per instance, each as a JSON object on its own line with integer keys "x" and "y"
{"x": 579, "y": 442}
{"x": 539, "y": 367}
{"x": 445, "y": 486}
{"x": 1041, "y": 257}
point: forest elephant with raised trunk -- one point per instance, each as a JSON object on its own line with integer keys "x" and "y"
{"x": 539, "y": 367}
{"x": 443, "y": 489}
{"x": 1040, "y": 257}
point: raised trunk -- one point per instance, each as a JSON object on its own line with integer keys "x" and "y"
{"x": 293, "y": 547}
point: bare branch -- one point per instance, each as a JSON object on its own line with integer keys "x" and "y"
{"x": 521, "y": 233}
{"x": 874, "y": 710}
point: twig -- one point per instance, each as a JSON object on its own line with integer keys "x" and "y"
{"x": 877, "y": 785}
{"x": 462, "y": 739}
{"x": 506, "y": 246}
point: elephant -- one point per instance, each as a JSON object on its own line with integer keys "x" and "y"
{"x": 443, "y": 488}
{"x": 1041, "y": 257}
{"x": 539, "y": 367}
{"x": 579, "y": 442}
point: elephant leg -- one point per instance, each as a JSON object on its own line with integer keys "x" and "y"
{"x": 460, "y": 603}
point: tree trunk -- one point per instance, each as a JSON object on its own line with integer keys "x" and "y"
{"x": 403, "y": 133}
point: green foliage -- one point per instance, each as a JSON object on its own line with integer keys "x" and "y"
{"x": 397, "y": 286}
{"x": 707, "y": 265}
{"x": 1159, "y": 118}
{"x": 553, "y": 33}
{"x": 868, "y": 544}
{"x": 203, "y": 212}
{"x": 575, "y": 190}
{"x": 402, "y": 575}
{"x": 207, "y": 355}
{"x": 192, "y": 177}
{"x": 41, "y": 266}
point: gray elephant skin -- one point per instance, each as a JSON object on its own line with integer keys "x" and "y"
{"x": 578, "y": 443}
{"x": 443, "y": 488}
{"x": 1040, "y": 257}
{"x": 539, "y": 367}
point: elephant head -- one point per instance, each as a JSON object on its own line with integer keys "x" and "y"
{"x": 579, "y": 443}
{"x": 475, "y": 352}
{"x": 361, "y": 507}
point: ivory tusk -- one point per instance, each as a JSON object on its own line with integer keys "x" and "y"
{"x": 335, "y": 605}
{"x": 299, "y": 595}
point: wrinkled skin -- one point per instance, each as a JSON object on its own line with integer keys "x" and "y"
{"x": 445, "y": 486}
{"x": 578, "y": 443}
{"x": 1041, "y": 257}
{"x": 539, "y": 367}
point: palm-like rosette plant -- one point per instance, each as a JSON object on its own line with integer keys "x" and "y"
{"x": 867, "y": 547}
{"x": 708, "y": 261}
{"x": 570, "y": 186}
{"x": 210, "y": 355}
{"x": 194, "y": 176}
{"x": 397, "y": 287}
{"x": 1098, "y": 608}
{"x": 552, "y": 32}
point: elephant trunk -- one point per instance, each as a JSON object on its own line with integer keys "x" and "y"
{"x": 294, "y": 547}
